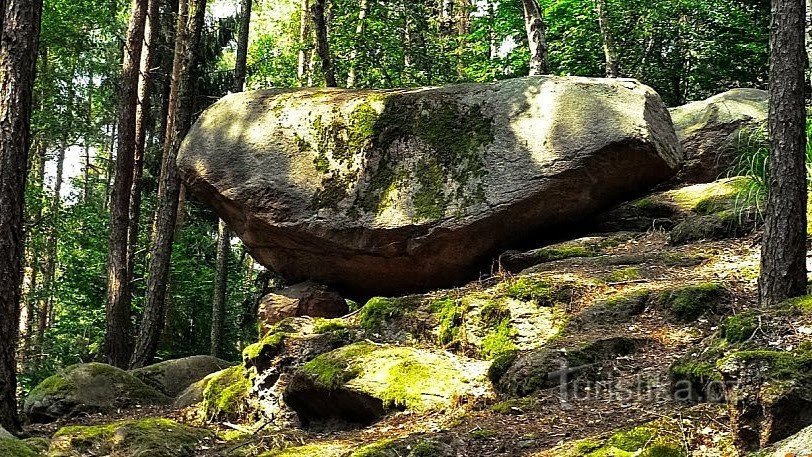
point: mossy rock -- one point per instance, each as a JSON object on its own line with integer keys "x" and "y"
{"x": 227, "y": 396}
{"x": 413, "y": 446}
{"x": 360, "y": 382}
{"x": 590, "y": 246}
{"x": 650, "y": 440}
{"x": 520, "y": 375}
{"x": 690, "y": 302}
{"x": 131, "y": 438}
{"x": 12, "y": 447}
{"x": 171, "y": 377}
{"x": 88, "y": 388}
{"x": 618, "y": 308}
{"x": 311, "y": 450}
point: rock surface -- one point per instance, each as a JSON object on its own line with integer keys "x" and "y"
{"x": 88, "y": 388}
{"x": 303, "y": 299}
{"x": 131, "y": 438}
{"x": 359, "y": 383}
{"x": 382, "y": 192}
{"x": 796, "y": 445}
{"x": 4, "y": 434}
{"x": 171, "y": 377}
{"x": 711, "y": 130}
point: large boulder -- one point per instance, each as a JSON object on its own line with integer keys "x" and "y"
{"x": 381, "y": 192}
{"x": 798, "y": 444}
{"x": 711, "y": 131}
{"x": 303, "y": 299}
{"x": 359, "y": 383}
{"x": 171, "y": 377}
{"x": 88, "y": 388}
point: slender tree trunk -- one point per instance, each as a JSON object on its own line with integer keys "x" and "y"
{"x": 118, "y": 324}
{"x": 305, "y": 44}
{"x": 783, "y": 251}
{"x": 609, "y": 49}
{"x": 218, "y": 311}
{"x": 108, "y": 172}
{"x": 323, "y": 43}
{"x": 809, "y": 41}
{"x": 536, "y": 37}
{"x": 145, "y": 84}
{"x": 19, "y": 39}
{"x": 360, "y": 30}
{"x": 49, "y": 269}
{"x": 242, "y": 47}
{"x": 187, "y": 37}
{"x": 89, "y": 124}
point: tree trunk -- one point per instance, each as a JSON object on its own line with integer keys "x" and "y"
{"x": 783, "y": 250}
{"x": 323, "y": 43}
{"x": 809, "y": 41}
{"x": 242, "y": 47}
{"x": 305, "y": 44}
{"x": 360, "y": 30}
{"x": 187, "y": 37}
{"x": 50, "y": 261}
{"x": 145, "y": 84}
{"x": 218, "y": 311}
{"x": 609, "y": 49}
{"x": 117, "y": 330}
{"x": 19, "y": 39}
{"x": 536, "y": 37}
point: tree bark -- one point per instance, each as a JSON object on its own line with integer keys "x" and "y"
{"x": 783, "y": 250}
{"x": 536, "y": 37}
{"x": 118, "y": 324}
{"x": 360, "y": 30}
{"x": 305, "y": 44}
{"x": 145, "y": 85}
{"x": 187, "y": 37}
{"x": 323, "y": 43}
{"x": 19, "y": 39}
{"x": 609, "y": 49}
{"x": 242, "y": 47}
{"x": 218, "y": 311}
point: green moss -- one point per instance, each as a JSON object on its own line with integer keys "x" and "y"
{"x": 383, "y": 448}
{"x": 51, "y": 385}
{"x": 226, "y": 395}
{"x": 690, "y": 302}
{"x": 449, "y": 313}
{"x": 379, "y": 310}
{"x": 624, "y": 274}
{"x": 543, "y": 292}
{"x": 39, "y": 444}
{"x": 499, "y": 340}
{"x": 329, "y": 325}
{"x": 501, "y": 364}
{"x": 779, "y": 365}
{"x": 741, "y": 327}
{"x": 425, "y": 448}
{"x": 643, "y": 441}
{"x": 335, "y": 368}
{"x": 144, "y": 437}
{"x": 552, "y": 253}
{"x": 269, "y": 345}
{"x": 510, "y": 406}
{"x": 310, "y": 450}
{"x": 429, "y": 200}
{"x": 11, "y": 447}
{"x": 802, "y": 304}
{"x": 483, "y": 434}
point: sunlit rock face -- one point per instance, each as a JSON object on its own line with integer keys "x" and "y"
{"x": 379, "y": 192}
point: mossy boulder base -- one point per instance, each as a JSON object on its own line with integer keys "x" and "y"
{"x": 172, "y": 377}
{"x": 383, "y": 192}
{"x": 88, "y": 388}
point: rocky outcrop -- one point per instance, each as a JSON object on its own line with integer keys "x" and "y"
{"x": 711, "y": 130}
{"x": 359, "y": 383}
{"x": 796, "y": 445}
{"x": 131, "y": 438}
{"x": 171, "y": 377}
{"x": 88, "y": 388}
{"x": 380, "y": 192}
{"x": 304, "y": 299}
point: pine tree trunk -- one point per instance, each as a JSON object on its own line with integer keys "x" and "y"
{"x": 118, "y": 324}
{"x": 145, "y": 85}
{"x": 783, "y": 251}
{"x": 219, "y": 303}
{"x": 50, "y": 261}
{"x": 536, "y": 37}
{"x": 187, "y": 37}
{"x": 19, "y": 39}
{"x": 242, "y": 47}
{"x": 305, "y": 42}
{"x": 609, "y": 49}
{"x": 360, "y": 30}
{"x": 323, "y": 43}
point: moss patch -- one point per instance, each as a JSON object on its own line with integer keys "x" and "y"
{"x": 378, "y": 311}
{"x": 328, "y": 325}
{"x": 145, "y": 437}
{"x": 310, "y": 450}
{"x": 544, "y": 292}
{"x": 690, "y": 302}
{"x": 11, "y": 447}
{"x": 227, "y": 395}
{"x": 450, "y": 314}
{"x": 643, "y": 441}
{"x": 741, "y": 327}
